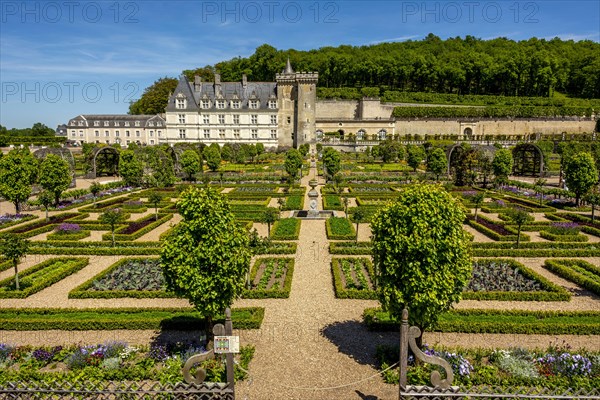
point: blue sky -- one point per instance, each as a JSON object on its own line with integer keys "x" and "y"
{"x": 62, "y": 58}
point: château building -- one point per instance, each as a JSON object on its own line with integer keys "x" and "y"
{"x": 111, "y": 129}
{"x": 277, "y": 114}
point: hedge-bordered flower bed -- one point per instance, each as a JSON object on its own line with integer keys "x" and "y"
{"x": 353, "y": 278}
{"x": 578, "y": 271}
{"x": 150, "y": 224}
{"x": 339, "y": 228}
{"x": 274, "y": 281}
{"x": 286, "y": 229}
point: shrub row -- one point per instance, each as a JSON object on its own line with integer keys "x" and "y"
{"x": 563, "y": 238}
{"x": 286, "y": 229}
{"x": 41, "y": 226}
{"x": 280, "y": 248}
{"x": 68, "y": 236}
{"x": 588, "y": 276}
{"x": 350, "y": 248}
{"x": 499, "y": 321}
{"x": 5, "y": 264}
{"x": 47, "y": 277}
{"x": 524, "y": 252}
{"x": 121, "y": 318}
{"x": 279, "y": 293}
{"x": 491, "y": 112}
{"x": 551, "y": 292}
{"x": 339, "y": 228}
{"x": 495, "y": 235}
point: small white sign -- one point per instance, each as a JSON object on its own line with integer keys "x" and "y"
{"x": 227, "y": 344}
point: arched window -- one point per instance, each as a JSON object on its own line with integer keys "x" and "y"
{"x": 319, "y": 134}
{"x": 468, "y": 131}
{"x": 360, "y": 135}
{"x": 382, "y": 134}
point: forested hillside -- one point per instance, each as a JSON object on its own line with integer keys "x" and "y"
{"x": 460, "y": 66}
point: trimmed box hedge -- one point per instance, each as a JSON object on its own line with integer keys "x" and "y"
{"x": 277, "y": 293}
{"x": 42, "y": 276}
{"x": 26, "y": 218}
{"x": 563, "y": 238}
{"x": 332, "y": 202}
{"x": 140, "y": 232}
{"x": 68, "y": 236}
{"x": 499, "y": 321}
{"x": 350, "y": 248}
{"x": 578, "y": 271}
{"x": 23, "y": 319}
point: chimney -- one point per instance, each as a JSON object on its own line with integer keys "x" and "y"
{"x": 197, "y": 83}
{"x": 217, "y": 79}
{"x": 244, "y": 81}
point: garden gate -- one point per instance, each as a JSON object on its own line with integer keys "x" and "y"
{"x": 194, "y": 387}
{"x": 442, "y": 389}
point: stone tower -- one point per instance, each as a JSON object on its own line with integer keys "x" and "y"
{"x": 296, "y": 95}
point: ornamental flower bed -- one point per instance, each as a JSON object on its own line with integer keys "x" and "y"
{"x": 564, "y": 228}
{"x": 67, "y": 228}
{"x": 7, "y": 220}
{"x": 111, "y": 361}
{"x": 553, "y": 368}
{"x": 270, "y": 278}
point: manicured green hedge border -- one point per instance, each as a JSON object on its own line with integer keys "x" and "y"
{"x": 564, "y": 269}
{"x": 68, "y": 236}
{"x": 563, "y": 238}
{"x": 494, "y": 235}
{"x": 282, "y": 228}
{"x": 339, "y": 228}
{"x": 82, "y": 291}
{"x": 294, "y": 202}
{"x": 273, "y": 293}
{"x": 350, "y": 248}
{"x": 41, "y": 284}
{"x": 5, "y": 264}
{"x": 552, "y": 292}
{"x": 525, "y": 252}
{"x": 499, "y": 321}
{"x": 106, "y": 251}
{"x": 343, "y": 293}
{"x": 136, "y": 235}
{"x": 68, "y": 319}
{"x": 40, "y": 226}
{"x": 280, "y": 248}
{"x": 29, "y": 217}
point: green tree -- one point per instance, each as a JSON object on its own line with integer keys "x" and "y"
{"x": 357, "y": 217}
{"x": 331, "y": 161}
{"x": 155, "y": 97}
{"x": 303, "y": 149}
{"x": 421, "y": 254}
{"x": 46, "y": 199}
{"x": 390, "y": 150}
{"x": 191, "y": 164}
{"x": 55, "y": 176}
{"x": 207, "y": 258}
{"x": 131, "y": 168}
{"x": 593, "y": 198}
{"x": 95, "y": 188}
{"x": 580, "y": 174}
{"x": 14, "y": 247}
{"x": 212, "y": 156}
{"x": 519, "y": 217}
{"x": 251, "y": 151}
{"x": 269, "y": 216}
{"x": 155, "y": 198}
{"x": 281, "y": 202}
{"x": 18, "y": 171}
{"x": 477, "y": 200}
{"x": 538, "y": 186}
{"x": 227, "y": 153}
{"x": 292, "y": 163}
{"x": 437, "y": 162}
{"x": 502, "y": 165}
{"x": 260, "y": 149}
{"x": 163, "y": 171}
{"x": 112, "y": 218}
{"x": 416, "y": 155}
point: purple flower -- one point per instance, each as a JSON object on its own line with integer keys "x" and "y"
{"x": 68, "y": 228}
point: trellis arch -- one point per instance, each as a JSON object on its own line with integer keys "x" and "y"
{"x": 108, "y": 157}
{"x": 175, "y": 153}
{"x": 528, "y": 160}
{"x": 63, "y": 153}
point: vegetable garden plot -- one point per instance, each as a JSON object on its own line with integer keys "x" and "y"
{"x": 130, "y": 277}
{"x": 353, "y": 278}
{"x": 270, "y": 278}
{"x": 40, "y": 276}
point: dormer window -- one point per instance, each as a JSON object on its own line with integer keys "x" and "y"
{"x": 96, "y": 123}
{"x": 80, "y": 123}
{"x": 221, "y": 104}
{"x": 117, "y": 123}
{"x": 272, "y": 104}
{"x": 126, "y": 123}
{"x": 253, "y": 104}
{"x": 150, "y": 123}
{"x": 137, "y": 123}
{"x": 180, "y": 103}
{"x": 159, "y": 123}
{"x": 235, "y": 104}
{"x": 205, "y": 104}
{"x": 105, "y": 123}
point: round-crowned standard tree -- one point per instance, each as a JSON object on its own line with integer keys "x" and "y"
{"x": 55, "y": 175}
{"x": 437, "y": 162}
{"x": 331, "y": 161}
{"x": 580, "y": 174}
{"x": 421, "y": 254}
{"x": 14, "y": 247}
{"x": 502, "y": 165}
{"x": 18, "y": 171}
{"x": 207, "y": 257}
{"x": 131, "y": 168}
{"x": 292, "y": 163}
